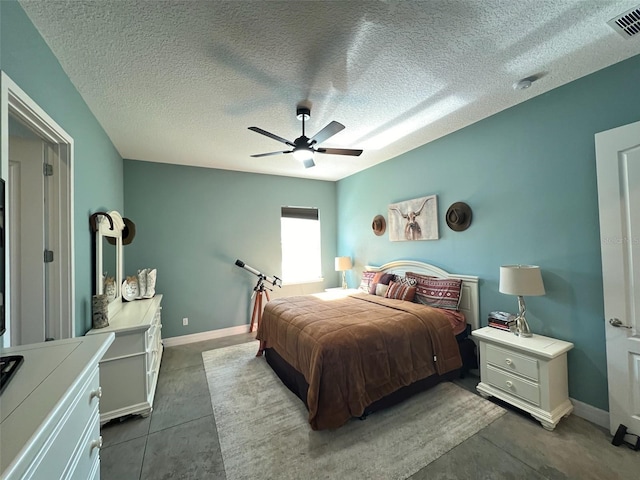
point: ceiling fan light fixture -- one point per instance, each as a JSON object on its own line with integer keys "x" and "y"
{"x": 302, "y": 154}
{"x": 303, "y": 147}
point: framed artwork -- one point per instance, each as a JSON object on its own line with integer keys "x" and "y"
{"x": 415, "y": 219}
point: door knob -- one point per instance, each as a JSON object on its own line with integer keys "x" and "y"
{"x": 615, "y": 322}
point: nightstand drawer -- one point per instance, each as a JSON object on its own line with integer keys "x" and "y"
{"x": 513, "y": 385}
{"x": 513, "y": 362}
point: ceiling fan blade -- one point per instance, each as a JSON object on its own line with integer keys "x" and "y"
{"x": 271, "y": 135}
{"x": 270, "y": 153}
{"x": 327, "y": 132}
{"x": 340, "y": 151}
{"x": 308, "y": 163}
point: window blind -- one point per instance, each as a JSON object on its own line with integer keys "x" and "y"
{"x": 302, "y": 213}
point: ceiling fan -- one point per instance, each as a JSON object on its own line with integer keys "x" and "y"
{"x": 303, "y": 147}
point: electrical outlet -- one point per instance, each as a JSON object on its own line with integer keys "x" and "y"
{"x": 185, "y": 321}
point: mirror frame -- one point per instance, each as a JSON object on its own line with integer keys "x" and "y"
{"x": 104, "y": 230}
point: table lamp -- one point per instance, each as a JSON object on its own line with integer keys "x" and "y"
{"x": 342, "y": 265}
{"x": 521, "y": 280}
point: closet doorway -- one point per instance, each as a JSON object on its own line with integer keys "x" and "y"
{"x": 37, "y": 169}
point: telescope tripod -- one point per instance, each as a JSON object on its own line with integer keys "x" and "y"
{"x": 258, "y": 291}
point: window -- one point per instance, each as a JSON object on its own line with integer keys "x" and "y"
{"x": 300, "y": 234}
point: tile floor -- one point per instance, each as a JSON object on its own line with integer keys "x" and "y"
{"x": 179, "y": 439}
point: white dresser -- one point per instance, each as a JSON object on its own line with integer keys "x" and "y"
{"x": 529, "y": 373}
{"x": 129, "y": 369}
{"x": 50, "y": 424}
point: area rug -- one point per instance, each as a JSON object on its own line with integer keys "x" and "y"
{"x": 264, "y": 433}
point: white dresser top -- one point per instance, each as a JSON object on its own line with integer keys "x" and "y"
{"x": 135, "y": 315}
{"x": 49, "y": 371}
{"x": 537, "y": 344}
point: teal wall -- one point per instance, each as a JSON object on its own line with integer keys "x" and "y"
{"x": 193, "y": 223}
{"x": 529, "y": 175}
{"x": 98, "y": 168}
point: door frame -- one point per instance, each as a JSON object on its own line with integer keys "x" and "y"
{"x": 61, "y": 285}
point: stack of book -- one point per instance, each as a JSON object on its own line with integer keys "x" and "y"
{"x": 502, "y": 320}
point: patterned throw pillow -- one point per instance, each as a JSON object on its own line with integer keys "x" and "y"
{"x": 380, "y": 279}
{"x": 437, "y": 292}
{"x": 367, "y": 279}
{"x": 400, "y": 291}
{"x": 405, "y": 280}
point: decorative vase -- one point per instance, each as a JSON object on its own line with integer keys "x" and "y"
{"x": 110, "y": 288}
{"x": 100, "y": 311}
{"x": 151, "y": 283}
{"x": 142, "y": 283}
{"x": 130, "y": 290}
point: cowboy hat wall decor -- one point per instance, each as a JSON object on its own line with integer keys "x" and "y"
{"x": 459, "y": 216}
{"x": 128, "y": 233}
{"x": 379, "y": 225}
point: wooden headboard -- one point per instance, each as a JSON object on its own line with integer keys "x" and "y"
{"x": 469, "y": 301}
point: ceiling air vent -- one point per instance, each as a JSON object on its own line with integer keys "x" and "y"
{"x": 627, "y": 24}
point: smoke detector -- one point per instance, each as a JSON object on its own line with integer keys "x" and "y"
{"x": 627, "y": 24}
{"x": 522, "y": 84}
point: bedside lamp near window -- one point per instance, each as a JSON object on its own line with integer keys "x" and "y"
{"x": 342, "y": 265}
{"x": 521, "y": 280}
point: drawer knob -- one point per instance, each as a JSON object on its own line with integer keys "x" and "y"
{"x": 97, "y": 393}
{"x": 508, "y": 361}
{"x": 97, "y": 443}
{"x": 509, "y": 383}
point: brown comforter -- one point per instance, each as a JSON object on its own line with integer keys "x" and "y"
{"x": 355, "y": 350}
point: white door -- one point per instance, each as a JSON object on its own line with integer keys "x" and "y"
{"x": 618, "y": 170}
{"x": 27, "y": 215}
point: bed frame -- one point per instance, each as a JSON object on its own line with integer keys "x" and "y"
{"x": 469, "y": 305}
{"x": 469, "y": 300}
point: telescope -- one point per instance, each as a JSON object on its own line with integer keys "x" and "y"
{"x": 275, "y": 281}
{"x": 258, "y": 291}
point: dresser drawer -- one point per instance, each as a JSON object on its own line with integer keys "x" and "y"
{"x": 513, "y": 385}
{"x": 513, "y": 362}
{"x": 87, "y": 453}
{"x": 151, "y": 379}
{"x": 151, "y": 337}
{"x": 54, "y": 457}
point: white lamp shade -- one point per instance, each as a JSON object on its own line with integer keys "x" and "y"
{"x": 343, "y": 263}
{"x": 524, "y": 280}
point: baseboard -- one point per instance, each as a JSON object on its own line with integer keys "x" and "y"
{"x": 199, "y": 337}
{"x": 591, "y": 413}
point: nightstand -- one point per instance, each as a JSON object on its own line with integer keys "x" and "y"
{"x": 529, "y": 373}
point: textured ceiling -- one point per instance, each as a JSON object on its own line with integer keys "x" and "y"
{"x": 180, "y": 81}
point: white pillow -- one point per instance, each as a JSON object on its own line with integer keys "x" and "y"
{"x": 381, "y": 289}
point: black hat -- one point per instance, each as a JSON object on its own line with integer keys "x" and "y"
{"x": 128, "y": 233}
{"x": 459, "y": 216}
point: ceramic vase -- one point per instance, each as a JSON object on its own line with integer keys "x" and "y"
{"x": 100, "y": 311}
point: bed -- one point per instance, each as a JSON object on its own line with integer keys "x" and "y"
{"x": 349, "y": 355}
